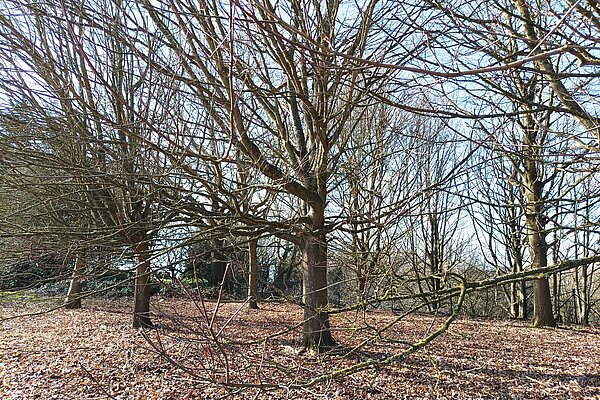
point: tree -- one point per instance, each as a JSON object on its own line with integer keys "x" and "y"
{"x": 437, "y": 225}
{"x": 374, "y": 182}
{"x": 520, "y": 96}
{"x": 268, "y": 78}
{"x": 499, "y": 226}
{"x": 73, "y": 299}
{"x": 252, "y": 273}
{"x": 538, "y": 36}
{"x": 86, "y": 111}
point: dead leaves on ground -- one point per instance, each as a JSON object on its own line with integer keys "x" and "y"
{"x": 94, "y": 354}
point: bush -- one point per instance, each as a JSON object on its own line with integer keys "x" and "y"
{"x": 32, "y": 272}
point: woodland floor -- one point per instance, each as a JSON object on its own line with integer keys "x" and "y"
{"x": 93, "y": 353}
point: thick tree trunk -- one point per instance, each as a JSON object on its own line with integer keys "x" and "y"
{"x": 73, "y": 299}
{"x": 141, "y": 297}
{"x": 217, "y": 264}
{"x": 542, "y": 304}
{"x": 542, "y": 300}
{"x": 535, "y": 219}
{"x": 317, "y": 334}
{"x": 252, "y": 273}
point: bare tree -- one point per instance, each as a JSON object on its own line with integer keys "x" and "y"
{"x": 90, "y": 100}
{"x": 499, "y": 227}
{"x": 536, "y": 99}
{"x": 268, "y": 77}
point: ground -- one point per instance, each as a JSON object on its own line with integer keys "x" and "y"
{"x": 93, "y": 353}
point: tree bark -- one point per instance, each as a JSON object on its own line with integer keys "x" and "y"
{"x": 535, "y": 219}
{"x": 519, "y": 289}
{"x": 514, "y": 301}
{"x": 217, "y": 264}
{"x": 538, "y": 248}
{"x": 584, "y": 297}
{"x": 542, "y": 304}
{"x": 525, "y": 312}
{"x": 73, "y": 299}
{"x": 317, "y": 333}
{"x": 141, "y": 297}
{"x": 252, "y": 274}
{"x": 568, "y": 100}
{"x": 556, "y": 290}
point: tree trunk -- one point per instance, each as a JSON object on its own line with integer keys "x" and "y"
{"x": 141, "y": 297}
{"x": 584, "y": 297}
{"x": 536, "y": 220}
{"x": 73, "y": 299}
{"x": 556, "y": 290}
{"x": 542, "y": 300}
{"x": 514, "y": 301}
{"x": 525, "y": 312}
{"x": 542, "y": 304}
{"x": 252, "y": 275}
{"x": 217, "y": 264}
{"x": 317, "y": 334}
{"x": 362, "y": 287}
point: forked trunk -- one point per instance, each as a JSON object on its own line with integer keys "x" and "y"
{"x": 141, "y": 297}
{"x": 73, "y": 299}
{"x": 317, "y": 334}
{"x": 253, "y": 271}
